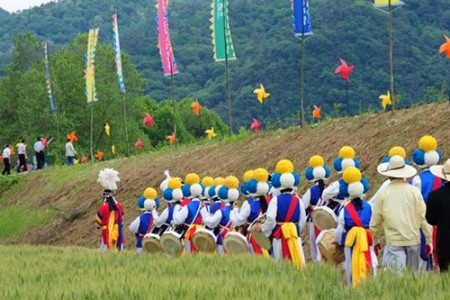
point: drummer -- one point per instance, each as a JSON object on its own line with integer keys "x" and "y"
{"x": 317, "y": 172}
{"x": 330, "y": 195}
{"x": 255, "y": 187}
{"x": 189, "y": 215}
{"x": 173, "y": 195}
{"x": 220, "y": 215}
{"x": 353, "y": 228}
{"x": 143, "y": 224}
{"x": 286, "y": 216}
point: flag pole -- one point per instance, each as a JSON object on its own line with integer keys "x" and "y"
{"x": 227, "y": 75}
{"x": 302, "y": 63}
{"x": 126, "y": 124}
{"x": 346, "y": 93}
{"x": 92, "y": 132}
{"x": 391, "y": 61}
{"x": 174, "y": 104}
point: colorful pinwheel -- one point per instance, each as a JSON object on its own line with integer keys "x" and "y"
{"x": 84, "y": 159}
{"x": 261, "y": 93}
{"x": 196, "y": 107}
{"x": 113, "y": 149}
{"x": 210, "y": 133}
{"x": 385, "y": 100}
{"x": 344, "y": 70}
{"x": 99, "y": 155}
{"x": 445, "y": 47}
{"x": 316, "y": 112}
{"x": 107, "y": 129}
{"x": 171, "y": 138}
{"x": 139, "y": 144}
{"x": 255, "y": 125}
{"x": 148, "y": 120}
{"x": 72, "y": 136}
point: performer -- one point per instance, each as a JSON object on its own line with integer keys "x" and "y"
{"x": 438, "y": 214}
{"x": 353, "y": 228}
{"x": 286, "y": 216}
{"x": 173, "y": 195}
{"x": 426, "y": 156}
{"x": 330, "y": 195}
{"x": 255, "y": 187}
{"x": 143, "y": 224}
{"x": 396, "y": 150}
{"x": 189, "y": 215}
{"x": 220, "y": 215}
{"x": 317, "y": 172}
{"x": 400, "y": 210}
{"x": 110, "y": 213}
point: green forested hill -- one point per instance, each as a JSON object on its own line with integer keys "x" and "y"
{"x": 267, "y": 51}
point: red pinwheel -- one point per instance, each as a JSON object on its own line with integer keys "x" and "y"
{"x": 148, "y": 120}
{"x": 99, "y": 155}
{"x": 255, "y": 125}
{"x": 72, "y": 136}
{"x": 139, "y": 144}
{"x": 44, "y": 142}
{"x": 84, "y": 159}
{"x": 344, "y": 69}
{"x": 316, "y": 113}
{"x": 171, "y": 138}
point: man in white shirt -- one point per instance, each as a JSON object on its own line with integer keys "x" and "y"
{"x": 40, "y": 154}
{"x": 6, "y": 161}
{"x": 22, "y": 152}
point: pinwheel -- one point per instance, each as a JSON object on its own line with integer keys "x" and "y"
{"x": 316, "y": 112}
{"x": 76, "y": 161}
{"x": 148, "y": 120}
{"x": 385, "y": 100}
{"x": 445, "y": 47}
{"x": 113, "y": 149}
{"x": 211, "y": 134}
{"x": 107, "y": 129}
{"x": 345, "y": 70}
{"x": 255, "y": 125}
{"x": 139, "y": 144}
{"x": 72, "y": 136}
{"x": 171, "y": 138}
{"x": 99, "y": 155}
{"x": 261, "y": 93}
{"x": 84, "y": 159}
{"x": 196, "y": 107}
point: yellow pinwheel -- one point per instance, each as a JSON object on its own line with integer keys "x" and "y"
{"x": 107, "y": 129}
{"x": 113, "y": 149}
{"x": 211, "y": 134}
{"x": 261, "y": 93}
{"x": 385, "y": 100}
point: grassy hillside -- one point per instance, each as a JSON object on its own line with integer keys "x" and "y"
{"x": 57, "y": 205}
{"x": 75, "y": 273}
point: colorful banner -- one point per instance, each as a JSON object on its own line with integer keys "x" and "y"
{"x": 91, "y": 93}
{"x": 385, "y": 3}
{"x": 47, "y": 78}
{"x": 302, "y": 21}
{"x": 165, "y": 46}
{"x": 118, "y": 53}
{"x": 223, "y": 45}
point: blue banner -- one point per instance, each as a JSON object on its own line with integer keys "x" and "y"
{"x": 302, "y": 21}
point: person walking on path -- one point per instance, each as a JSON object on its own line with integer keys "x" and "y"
{"x": 6, "y": 161}
{"x": 70, "y": 152}
{"x": 400, "y": 210}
{"x": 22, "y": 152}
{"x": 40, "y": 154}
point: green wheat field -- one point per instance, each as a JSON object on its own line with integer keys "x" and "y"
{"x": 43, "y": 272}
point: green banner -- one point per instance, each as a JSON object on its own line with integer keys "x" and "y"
{"x": 223, "y": 45}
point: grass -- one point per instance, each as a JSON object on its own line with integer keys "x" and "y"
{"x": 17, "y": 219}
{"x": 77, "y": 273}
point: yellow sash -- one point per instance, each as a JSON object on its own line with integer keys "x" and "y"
{"x": 289, "y": 231}
{"x": 357, "y": 238}
{"x": 113, "y": 231}
{"x": 191, "y": 230}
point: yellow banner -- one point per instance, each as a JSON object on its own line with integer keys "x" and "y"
{"x": 383, "y": 3}
{"x": 91, "y": 93}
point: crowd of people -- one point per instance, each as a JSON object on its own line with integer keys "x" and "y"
{"x": 409, "y": 214}
{"x": 23, "y": 164}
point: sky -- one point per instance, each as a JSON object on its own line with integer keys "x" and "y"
{"x": 15, "y": 5}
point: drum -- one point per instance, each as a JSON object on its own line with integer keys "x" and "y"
{"x": 151, "y": 241}
{"x": 324, "y": 218}
{"x": 235, "y": 242}
{"x": 332, "y": 251}
{"x": 259, "y": 236}
{"x": 171, "y": 240}
{"x": 204, "y": 240}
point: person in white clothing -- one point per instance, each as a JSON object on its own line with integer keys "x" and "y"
{"x": 70, "y": 152}
{"x": 22, "y": 152}
{"x": 6, "y": 161}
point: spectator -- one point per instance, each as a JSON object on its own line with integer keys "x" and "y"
{"x": 22, "y": 151}
{"x": 70, "y": 152}
{"x": 40, "y": 154}
{"x": 6, "y": 161}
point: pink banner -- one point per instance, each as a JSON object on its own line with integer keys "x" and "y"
{"x": 165, "y": 46}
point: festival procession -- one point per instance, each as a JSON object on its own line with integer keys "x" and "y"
{"x": 263, "y": 214}
{"x": 362, "y": 217}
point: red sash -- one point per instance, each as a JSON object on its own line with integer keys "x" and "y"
{"x": 278, "y": 234}
{"x": 350, "y": 208}
{"x": 437, "y": 183}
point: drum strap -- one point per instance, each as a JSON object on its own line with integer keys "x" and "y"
{"x": 150, "y": 225}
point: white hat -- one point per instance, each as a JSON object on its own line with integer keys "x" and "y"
{"x": 442, "y": 171}
{"x": 396, "y": 168}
